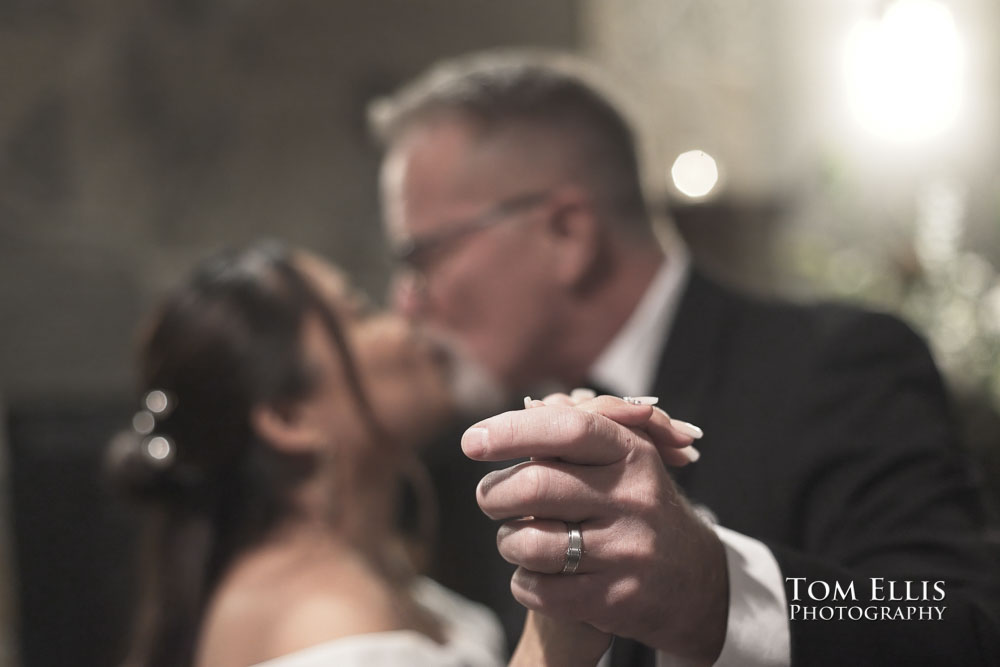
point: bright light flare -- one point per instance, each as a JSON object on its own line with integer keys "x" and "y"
{"x": 904, "y": 71}
{"x": 695, "y": 173}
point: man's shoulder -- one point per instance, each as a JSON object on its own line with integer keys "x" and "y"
{"x": 817, "y": 325}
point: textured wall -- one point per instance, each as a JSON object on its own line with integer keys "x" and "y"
{"x": 760, "y": 85}
{"x": 137, "y": 136}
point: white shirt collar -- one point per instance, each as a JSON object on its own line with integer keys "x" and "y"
{"x": 627, "y": 366}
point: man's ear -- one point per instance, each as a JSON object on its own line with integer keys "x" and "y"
{"x": 576, "y": 235}
{"x": 286, "y": 427}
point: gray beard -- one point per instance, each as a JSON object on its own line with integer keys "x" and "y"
{"x": 476, "y": 392}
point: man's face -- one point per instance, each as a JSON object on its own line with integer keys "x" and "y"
{"x": 472, "y": 218}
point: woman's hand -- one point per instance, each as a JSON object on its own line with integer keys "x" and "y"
{"x": 547, "y": 642}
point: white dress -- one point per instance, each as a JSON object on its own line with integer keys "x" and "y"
{"x": 473, "y": 638}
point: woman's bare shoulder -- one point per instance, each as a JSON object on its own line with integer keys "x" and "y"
{"x": 258, "y": 616}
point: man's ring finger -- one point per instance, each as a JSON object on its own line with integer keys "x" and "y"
{"x": 574, "y": 550}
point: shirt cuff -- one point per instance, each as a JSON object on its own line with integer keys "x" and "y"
{"x": 757, "y": 633}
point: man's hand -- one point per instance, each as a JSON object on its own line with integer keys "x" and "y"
{"x": 651, "y": 570}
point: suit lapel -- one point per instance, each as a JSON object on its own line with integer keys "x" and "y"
{"x": 690, "y": 363}
{"x": 693, "y": 359}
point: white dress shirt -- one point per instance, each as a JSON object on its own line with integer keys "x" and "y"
{"x": 757, "y": 632}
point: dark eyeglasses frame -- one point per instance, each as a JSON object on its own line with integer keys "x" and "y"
{"x": 415, "y": 254}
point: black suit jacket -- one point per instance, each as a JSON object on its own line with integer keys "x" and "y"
{"x": 829, "y": 437}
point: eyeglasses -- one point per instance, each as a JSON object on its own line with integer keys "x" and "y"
{"x": 419, "y": 254}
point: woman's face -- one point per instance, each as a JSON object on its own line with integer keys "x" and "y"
{"x": 402, "y": 375}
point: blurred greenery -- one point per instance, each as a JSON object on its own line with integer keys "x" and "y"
{"x": 947, "y": 292}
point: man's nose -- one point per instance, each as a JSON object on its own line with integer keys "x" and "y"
{"x": 406, "y": 294}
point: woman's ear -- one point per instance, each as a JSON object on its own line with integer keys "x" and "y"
{"x": 285, "y": 427}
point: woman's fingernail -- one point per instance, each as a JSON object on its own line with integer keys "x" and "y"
{"x": 475, "y": 441}
{"x": 641, "y": 400}
{"x": 582, "y": 394}
{"x": 691, "y": 453}
{"x": 527, "y": 402}
{"x": 687, "y": 428}
{"x": 662, "y": 412}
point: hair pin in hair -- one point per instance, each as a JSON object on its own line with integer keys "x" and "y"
{"x": 159, "y": 449}
{"x": 158, "y": 402}
{"x": 143, "y": 422}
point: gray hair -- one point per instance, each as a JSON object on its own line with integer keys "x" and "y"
{"x": 556, "y": 93}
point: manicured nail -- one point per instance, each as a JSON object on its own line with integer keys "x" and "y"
{"x": 691, "y": 453}
{"x": 687, "y": 429}
{"x": 527, "y": 402}
{"x": 582, "y": 394}
{"x": 641, "y": 400}
{"x": 475, "y": 441}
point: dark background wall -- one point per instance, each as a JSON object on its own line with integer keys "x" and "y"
{"x": 135, "y": 138}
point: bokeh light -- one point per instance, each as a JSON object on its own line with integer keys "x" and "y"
{"x": 695, "y": 173}
{"x": 904, "y": 71}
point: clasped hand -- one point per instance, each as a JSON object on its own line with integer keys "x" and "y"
{"x": 651, "y": 569}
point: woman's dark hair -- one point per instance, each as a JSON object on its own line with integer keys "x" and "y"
{"x": 228, "y": 339}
